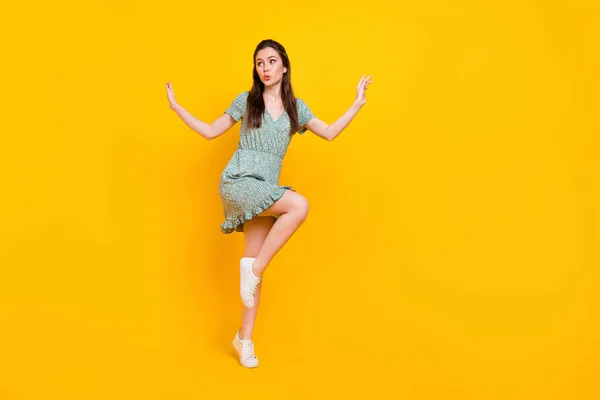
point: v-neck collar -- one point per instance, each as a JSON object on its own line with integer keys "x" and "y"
{"x": 278, "y": 118}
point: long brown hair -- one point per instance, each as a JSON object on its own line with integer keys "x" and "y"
{"x": 255, "y": 104}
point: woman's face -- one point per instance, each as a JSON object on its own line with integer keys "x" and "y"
{"x": 269, "y": 66}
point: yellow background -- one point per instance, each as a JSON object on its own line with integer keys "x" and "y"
{"x": 451, "y": 250}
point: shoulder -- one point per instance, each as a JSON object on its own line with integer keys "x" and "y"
{"x": 302, "y": 106}
{"x": 243, "y": 95}
{"x": 300, "y": 103}
{"x": 240, "y": 100}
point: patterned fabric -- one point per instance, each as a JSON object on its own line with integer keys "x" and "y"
{"x": 249, "y": 183}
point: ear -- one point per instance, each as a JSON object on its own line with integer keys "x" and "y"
{"x": 285, "y": 70}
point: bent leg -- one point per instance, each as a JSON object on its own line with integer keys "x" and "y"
{"x": 291, "y": 211}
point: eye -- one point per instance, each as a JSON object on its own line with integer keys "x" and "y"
{"x": 272, "y": 61}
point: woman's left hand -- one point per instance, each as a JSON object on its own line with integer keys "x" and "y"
{"x": 362, "y": 86}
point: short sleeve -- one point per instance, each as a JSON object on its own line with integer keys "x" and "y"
{"x": 238, "y": 107}
{"x": 304, "y": 115}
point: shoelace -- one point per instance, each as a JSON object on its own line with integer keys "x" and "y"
{"x": 249, "y": 350}
{"x": 255, "y": 286}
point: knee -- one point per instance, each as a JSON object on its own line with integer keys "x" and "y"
{"x": 301, "y": 208}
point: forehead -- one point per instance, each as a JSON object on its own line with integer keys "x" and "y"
{"x": 266, "y": 52}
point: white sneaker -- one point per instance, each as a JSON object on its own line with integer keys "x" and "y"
{"x": 248, "y": 281}
{"x": 245, "y": 349}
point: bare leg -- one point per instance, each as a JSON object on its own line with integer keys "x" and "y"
{"x": 291, "y": 211}
{"x": 255, "y": 232}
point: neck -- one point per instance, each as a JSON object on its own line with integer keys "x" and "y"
{"x": 273, "y": 92}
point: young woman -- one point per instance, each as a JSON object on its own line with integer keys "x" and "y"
{"x": 253, "y": 202}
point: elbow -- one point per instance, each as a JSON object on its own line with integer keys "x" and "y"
{"x": 209, "y": 135}
{"x": 329, "y": 136}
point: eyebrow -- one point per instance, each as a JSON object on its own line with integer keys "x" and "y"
{"x": 267, "y": 58}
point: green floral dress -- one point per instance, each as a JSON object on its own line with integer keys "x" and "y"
{"x": 249, "y": 183}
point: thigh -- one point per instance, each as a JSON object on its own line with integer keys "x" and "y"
{"x": 255, "y": 232}
{"x": 290, "y": 201}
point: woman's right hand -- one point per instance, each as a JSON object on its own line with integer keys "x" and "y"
{"x": 170, "y": 94}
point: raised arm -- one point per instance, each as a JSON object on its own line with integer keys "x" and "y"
{"x": 330, "y": 132}
{"x": 207, "y": 131}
